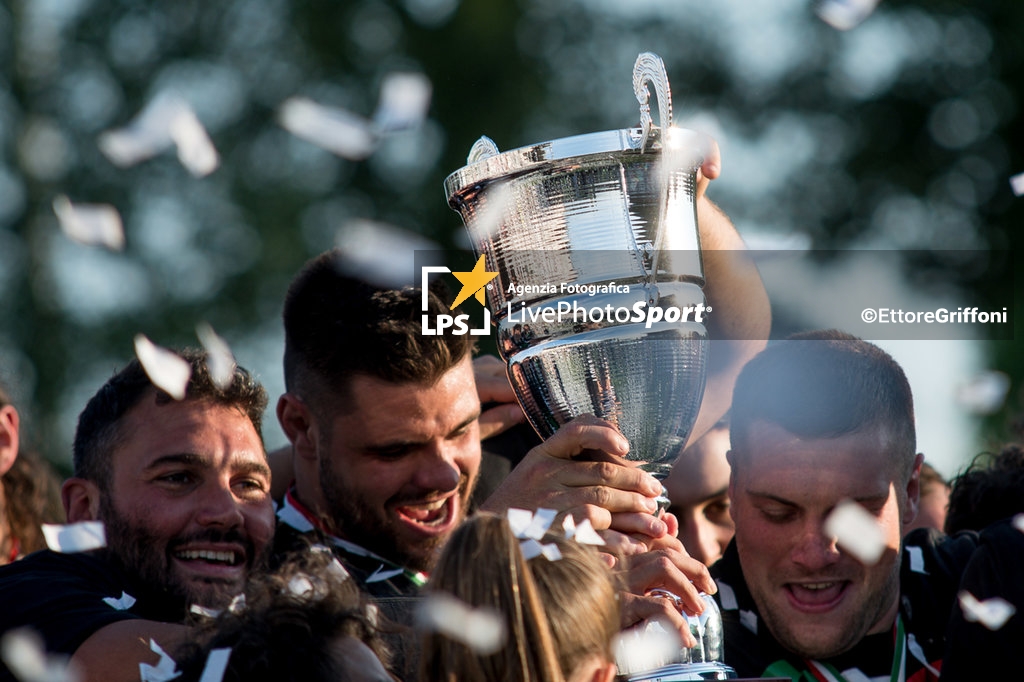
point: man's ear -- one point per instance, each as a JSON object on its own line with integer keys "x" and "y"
{"x": 298, "y": 424}
{"x": 913, "y": 491}
{"x": 81, "y": 500}
{"x": 8, "y": 437}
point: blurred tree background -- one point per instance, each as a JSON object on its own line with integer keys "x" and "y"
{"x": 900, "y": 133}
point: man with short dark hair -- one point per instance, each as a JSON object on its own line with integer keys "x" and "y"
{"x": 183, "y": 490}
{"x": 816, "y": 420}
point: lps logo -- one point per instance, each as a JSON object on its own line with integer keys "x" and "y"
{"x": 473, "y": 283}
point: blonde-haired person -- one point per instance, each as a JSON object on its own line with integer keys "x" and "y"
{"x": 561, "y": 616}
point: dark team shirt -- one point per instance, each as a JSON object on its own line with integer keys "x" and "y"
{"x": 393, "y": 588}
{"x": 929, "y": 576}
{"x": 996, "y": 570}
{"x": 66, "y": 598}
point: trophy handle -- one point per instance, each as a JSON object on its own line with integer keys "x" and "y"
{"x": 484, "y": 148}
{"x": 649, "y": 68}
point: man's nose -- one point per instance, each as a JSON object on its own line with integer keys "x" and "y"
{"x": 438, "y": 468}
{"x": 218, "y": 506}
{"x": 815, "y": 549}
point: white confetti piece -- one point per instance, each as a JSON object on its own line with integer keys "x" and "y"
{"x": 646, "y": 647}
{"x": 984, "y": 393}
{"x": 301, "y": 585}
{"x": 727, "y": 596}
{"x": 216, "y": 664}
{"x": 1018, "y": 522}
{"x": 1017, "y": 184}
{"x": 992, "y": 613}
{"x": 492, "y": 211}
{"x": 337, "y": 571}
{"x": 125, "y": 602}
{"x": 749, "y": 620}
{"x": 91, "y": 224}
{"x": 23, "y": 653}
{"x": 551, "y": 552}
{"x": 519, "y": 520}
{"x": 336, "y": 130}
{"x": 843, "y": 15}
{"x": 379, "y": 253}
{"x": 219, "y": 359}
{"x": 916, "y": 556}
{"x": 146, "y": 135}
{"x": 237, "y": 604}
{"x": 586, "y": 535}
{"x": 75, "y": 537}
{"x": 203, "y": 611}
{"x": 195, "y": 149}
{"x": 482, "y": 630}
{"x": 857, "y": 531}
{"x": 164, "y": 670}
{"x": 530, "y": 549}
{"x": 166, "y": 121}
{"x": 917, "y": 651}
{"x": 540, "y": 523}
{"x": 404, "y": 101}
{"x": 381, "y": 575}
{"x": 684, "y": 149}
{"x": 167, "y": 370}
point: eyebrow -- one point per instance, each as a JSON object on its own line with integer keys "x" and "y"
{"x": 392, "y": 445}
{"x": 196, "y": 460}
{"x": 718, "y": 493}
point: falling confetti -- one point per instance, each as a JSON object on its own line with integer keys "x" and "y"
{"x": 125, "y": 602}
{"x": 195, "y": 149}
{"x": 404, "y": 101}
{"x": 992, "y": 613}
{"x": 75, "y": 537}
{"x": 586, "y": 535}
{"x": 542, "y": 520}
{"x": 492, "y": 211}
{"x": 857, "y": 531}
{"x": 163, "y": 671}
{"x": 168, "y": 371}
{"x": 219, "y": 359}
{"x": 23, "y": 654}
{"x": 984, "y": 393}
{"x": 381, "y": 254}
{"x": 646, "y": 647}
{"x": 381, "y": 575}
{"x": 166, "y": 121}
{"x": 216, "y": 664}
{"x": 336, "y": 130}
{"x": 843, "y": 15}
{"x": 530, "y": 548}
{"x": 482, "y": 630}
{"x": 98, "y": 224}
{"x": 237, "y": 604}
{"x": 1017, "y": 184}
{"x": 203, "y": 611}
{"x": 302, "y": 586}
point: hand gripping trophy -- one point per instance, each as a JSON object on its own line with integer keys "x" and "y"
{"x": 598, "y": 300}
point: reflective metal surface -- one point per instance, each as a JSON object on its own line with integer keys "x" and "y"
{"x": 599, "y": 221}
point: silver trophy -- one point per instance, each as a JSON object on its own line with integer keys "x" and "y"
{"x": 597, "y": 301}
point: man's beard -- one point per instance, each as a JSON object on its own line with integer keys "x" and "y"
{"x": 148, "y": 561}
{"x": 360, "y": 523}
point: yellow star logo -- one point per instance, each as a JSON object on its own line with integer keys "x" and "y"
{"x": 473, "y": 283}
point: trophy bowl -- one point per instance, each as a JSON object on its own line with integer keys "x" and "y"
{"x": 598, "y": 300}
